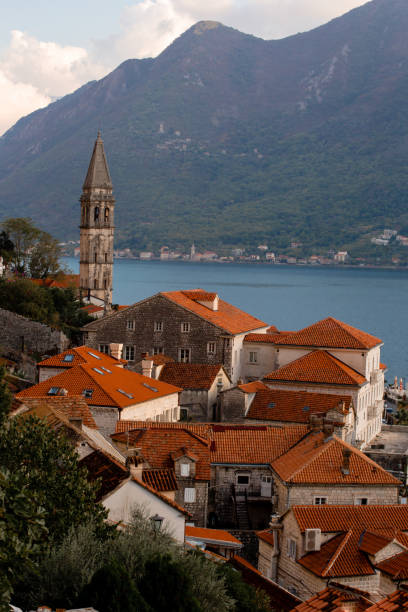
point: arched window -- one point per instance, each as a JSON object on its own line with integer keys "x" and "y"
{"x": 96, "y": 257}
{"x": 106, "y": 215}
{"x": 96, "y": 213}
{"x": 106, "y": 258}
{"x": 105, "y": 283}
{"x": 95, "y": 284}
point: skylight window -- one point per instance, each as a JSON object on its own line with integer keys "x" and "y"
{"x": 271, "y": 405}
{"x": 69, "y": 357}
{"x": 99, "y": 371}
{"x": 93, "y": 355}
{"x": 87, "y": 392}
{"x": 149, "y": 387}
{"x": 106, "y": 370}
{"x": 53, "y": 391}
{"x": 306, "y": 408}
{"x": 129, "y": 395}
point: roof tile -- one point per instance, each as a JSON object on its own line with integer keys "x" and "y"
{"x": 190, "y": 375}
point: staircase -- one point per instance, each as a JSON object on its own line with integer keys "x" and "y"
{"x": 242, "y": 513}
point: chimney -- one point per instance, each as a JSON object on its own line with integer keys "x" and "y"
{"x": 328, "y": 428}
{"x": 135, "y": 462}
{"x": 345, "y": 468}
{"x": 115, "y": 350}
{"x": 147, "y": 366}
{"x": 316, "y": 423}
{"x": 77, "y": 422}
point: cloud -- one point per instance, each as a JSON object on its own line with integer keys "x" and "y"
{"x": 17, "y": 100}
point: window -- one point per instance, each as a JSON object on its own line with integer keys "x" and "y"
{"x": 185, "y": 327}
{"x": 96, "y": 213}
{"x": 130, "y": 324}
{"x": 189, "y": 495}
{"x": 95, "y": 284}
{"x": 292, "y": 548}
{"x": 211, "y": 348}
{"x": 183, "y": 414}
{"x": 104, "y": 348}
{"x": 106, "y": 258}
{"x": 242, "y": 478}
{"x": 105, "y": 283}
{"x": 87, "y": 393}
{"x": 184, "y": 469}
{"x": 68, "y": 357}
{"x": 53, "y": 390}
{"x": 158, "y": 326}
{"x": 184, "y": 355}
{"x": 106, "y": 216}
{"x": 253, "y": 357}
{"x": 158, "y": 350}
{"x": 320, "y": 501}
{"x": 129, "y": 352}
{"x": 361, "y": 501}
{"x": 96, "y": 257}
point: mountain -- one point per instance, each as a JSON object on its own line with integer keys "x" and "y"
{"x": 229, "y": 139}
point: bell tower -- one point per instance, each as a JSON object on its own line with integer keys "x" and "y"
{"x": 96, "y": 230}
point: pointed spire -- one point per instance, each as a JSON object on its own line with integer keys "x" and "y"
{"x": 98, "y": 171}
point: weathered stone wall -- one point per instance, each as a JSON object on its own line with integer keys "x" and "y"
{"x": 145, "y": 339}
{"x": 105, "y": 419}
{"x": 249, "y": 539}
{"x": 198, "y": 508}
{"x": 22, "y": 334}
{"x": 232, "y": 406}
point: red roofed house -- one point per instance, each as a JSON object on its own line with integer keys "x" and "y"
{"x": 112, "y": 393}
{"x": 193, "y": 326}
{"x": 356, "y": 546}
{"x": 214, "y": 540}
{"x": 72, "y": 357}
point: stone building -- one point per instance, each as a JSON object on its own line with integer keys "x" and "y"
{"x": 192, "y": 326}
{"x": 362, "y": 547}
{"x": 23, "y": 335}
{"x": 96, "y": 230}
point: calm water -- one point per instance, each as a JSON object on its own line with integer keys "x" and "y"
{"x": 289, "y": 297}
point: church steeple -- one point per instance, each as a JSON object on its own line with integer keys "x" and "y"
{"x": 96, "y": 235}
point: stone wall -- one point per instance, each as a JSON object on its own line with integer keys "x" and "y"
{"x": 105, "y": 419}
{"x": 249, "y": 539}
{"x": 232, "y": 406}
{"x": 144, "y": 338}
{"x": 22, "y": 334}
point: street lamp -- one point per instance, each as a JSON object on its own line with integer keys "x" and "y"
{"x": 156, "y": 522}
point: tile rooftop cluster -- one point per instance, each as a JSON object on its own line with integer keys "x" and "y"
{"x": 293, "y": 406}
{"x": 160, "y": 479}
{"x": 80, "y": 354}
{"x": 318, "y": 367}
{"x": 72, "y": 408}
{"x": 333, "y": 598}
{"x": 396, "y": 602}
{"x": 190, "y": 375}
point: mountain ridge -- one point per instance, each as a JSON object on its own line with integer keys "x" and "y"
{"x": 233, "y": 140}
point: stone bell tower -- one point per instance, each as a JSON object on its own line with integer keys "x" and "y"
{"x": 96, "y": 230}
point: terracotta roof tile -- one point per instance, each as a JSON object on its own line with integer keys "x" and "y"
{"x": 253, "y": 386}
{"x": 396, "y": 566}
{"x": 396, "y": 602}
{"x": 267, "y": 338}
{"x": 330, "y": 333}
{"x": 213, "y": 535}
{"x": 267, "y": 536}
{"x": 163, "y": 497}
{"x": 107, "y": 469}
{"x": 387, "y": 520}
{"x": 227, "y": 317}
{"x": 318, "y": 460}
{"x": 201, "y": 429}
{"x": 80, "y": 354}
{"x": 317, "y": 367}
{"x": 294, "y": 406}
{"x": 116, "y": 387}
{"x": 332, "y": 599}
{"x": 371, "y": 542}
{"x": 190, "y": 375}
{"x": 74, "y": 407}
{"x": 160, "y": 479}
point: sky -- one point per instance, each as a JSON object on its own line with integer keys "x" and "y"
{"x": 49, "y": 48}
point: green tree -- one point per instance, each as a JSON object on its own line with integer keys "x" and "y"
{"x": 6, "y": 247}
{"x": 35, "y": 252}
{"x": 247, "y": 598}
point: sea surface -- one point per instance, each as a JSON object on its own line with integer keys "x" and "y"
{"x": 290, "y": 297}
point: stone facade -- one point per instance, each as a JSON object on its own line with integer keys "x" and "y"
{"x": 96, "y": 230}
{"x": 21, "y": 334}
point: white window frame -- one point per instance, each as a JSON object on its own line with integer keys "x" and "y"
{"x": 184, "y": 469}
{"x": 318, "y": 500}
{"x": 130, "y": 324}
{"x": 158, "y": 326}
{"x": 157, "y": 350}
{"x": 189, "y": 495}
{"x": 292, "y": 546}
{"x": 129, "y": 352}
{"x": 184, "y": 355}
{"x": 211, "y": 348}
{"x": 185, "y": 327}
{"x": 104, "y": 348}
{"x": 253, "y": 357}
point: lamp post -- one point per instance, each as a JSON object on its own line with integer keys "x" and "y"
{"x": 156, "y": 523}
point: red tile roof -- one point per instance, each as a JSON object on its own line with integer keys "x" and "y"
{"x": 227, "y": 317}
{"x": 91, "y": 308}
{"x": 63, "y": 282}
{"x": 212, "y": 535}
{"x": 317, "y": 367}
{"x": 332, "y": 599}
{"x": 371, "y": 542}
{"x": 294, "y": 406}
{"x": 201, "y": 429}
{"x": 158, "y": 444}
{"x": 396, "y": 566}
{"x": 252, "y": 387}
{"x": 74, "y": 407}
{"x": 387, "y": 520}
{"x": 267, "y": 338}
{"x": 190, "y": 375}
{"x": 81, "y": 354}
{"x": 267, "y": 536}
{"x": 396, "y": 602}
{"x": 330, "y": 333}
{"x": 160, "y": 479}
{"x": 116, "y": 387}
{"x": 105, "y": 468}
{"x": 318, "y": 460}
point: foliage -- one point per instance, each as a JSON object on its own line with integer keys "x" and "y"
{"x": 247, "y": 598}
{"x": 6, "y": 246}
{"x": 402, "y": 416}
{"x": 35, "y": 252}
{"x": 53, "y": 306}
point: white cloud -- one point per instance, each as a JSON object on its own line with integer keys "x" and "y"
{"x": 17, "y": 100}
